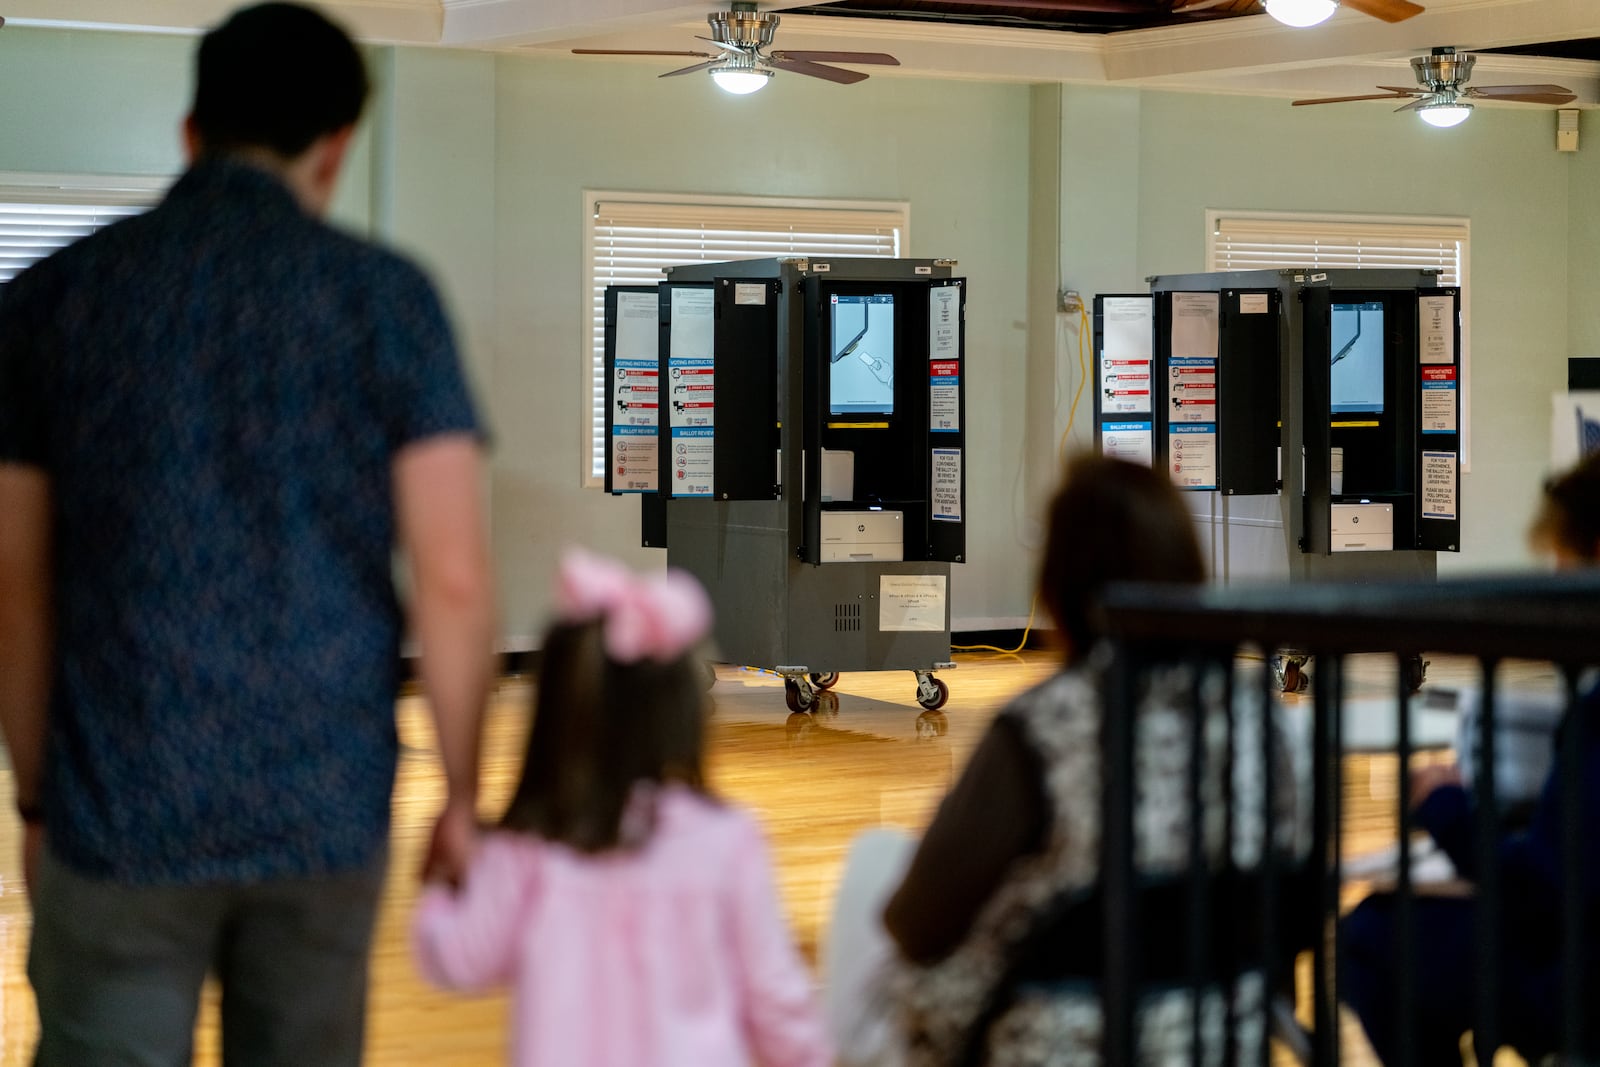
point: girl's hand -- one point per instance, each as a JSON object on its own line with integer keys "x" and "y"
{"x": 454, "y": 843}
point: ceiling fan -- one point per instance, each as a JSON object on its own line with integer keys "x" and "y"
{"x": 1444, "y": 98}
{"x": 744, "y": 63}
{"x": 1300, "y": 13}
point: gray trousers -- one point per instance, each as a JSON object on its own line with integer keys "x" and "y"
{"x": 117, "y": 970}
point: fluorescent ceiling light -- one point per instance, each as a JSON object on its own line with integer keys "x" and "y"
{"x": 741, "y": 82}
{"x": 1301, "y": 13}
{"x": 1445, "y": 115}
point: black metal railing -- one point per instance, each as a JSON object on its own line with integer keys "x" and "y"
{"x": 1548, "y": 618}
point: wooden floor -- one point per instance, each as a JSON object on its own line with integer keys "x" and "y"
{"x": 869, "y": 758}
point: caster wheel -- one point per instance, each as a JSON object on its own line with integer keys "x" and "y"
{"x": 797, "y": 698}
{"x": 825, "y": 679}
{"x": 935, "y": 700}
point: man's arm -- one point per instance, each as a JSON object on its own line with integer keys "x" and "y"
{"x": 438, "y": 483}
{"x": 26, "y": 637}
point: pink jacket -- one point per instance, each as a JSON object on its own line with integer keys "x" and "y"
{"x": 675, "y": 954}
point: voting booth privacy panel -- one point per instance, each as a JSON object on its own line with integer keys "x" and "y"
{"x": 795, "y": 429}
{"x": 1336, "y": 389}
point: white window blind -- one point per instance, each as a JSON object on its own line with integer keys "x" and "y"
{"x": 631, "y": 239}
{"x": 35, "y": 221}
{"x": 1270, "y": 241}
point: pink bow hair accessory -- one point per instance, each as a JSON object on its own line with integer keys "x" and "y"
{"x": 657, "y": 617}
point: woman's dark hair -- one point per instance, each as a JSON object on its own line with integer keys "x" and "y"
{"x": 599, "y": 727}
{"x": 276, "y": 76}
{"x": 1569, "y": 514}
{"x": 1111, "y": 521}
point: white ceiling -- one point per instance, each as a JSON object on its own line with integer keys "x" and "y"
{"x": 1253, "y": 54}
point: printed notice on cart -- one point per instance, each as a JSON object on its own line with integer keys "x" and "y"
{"x": 1438, "y": 400}
{"x": 1132, "y": 441}
{"x": 693, "y": 324}
{"x": 693, "y": 461}
{"x": 911, "y": 602}
{"x": 947, "y": 485}
{"x": 1192, "y": 390}
{"x": 1192, "y": 456}
{"x": 1195, "y": 321}
{"x": 1125, "y": 355}
{"x": 1438, "y": 485}
{"x": 944, "y": 396}
{"x": 635, "y": 459}
{"x": 638, "y": 334}
{"x": 1436, "y": 318}
{"x": 944, "y": 322}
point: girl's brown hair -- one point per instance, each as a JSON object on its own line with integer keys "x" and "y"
{"x": 1111, "y": 521}
{"x": 599, "y": 728}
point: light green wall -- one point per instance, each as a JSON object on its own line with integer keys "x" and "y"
{"x": 1500, "y": 170}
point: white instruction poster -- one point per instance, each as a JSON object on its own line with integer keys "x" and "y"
{"x": 911, "y": 602}
{"x": 947, "y": 485}
{"x": 1192, "y": 390}
{"x": 693, "y": 332}
{"x": 635, "y": 459}
{"x": 1438, "y": 400}
{"x": 1192, "y": 456}
{"x": 1438, "y": 485}
{"x": 1436, "y": 320}
{"x": 693, "y": 461}
{"x": 1125, "y": 355}
{"x": 1132, "y": 441}
{"x": 1195, "y": 321}
{"x": 944, "y": 322}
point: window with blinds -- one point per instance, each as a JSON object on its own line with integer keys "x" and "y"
{"x": 35, "y": 221}
{"x": 1270, "y": 241}
{"x": 632, "y": 238}
{"x": 1254, "y": 242}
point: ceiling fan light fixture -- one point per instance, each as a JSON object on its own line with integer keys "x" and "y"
{"x": 1445, "y": 115}
{"x": 1301, "y": 13}
{"x": 741, "y": 82}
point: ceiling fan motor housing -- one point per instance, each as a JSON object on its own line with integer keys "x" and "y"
{"x": 1444, "y": 71}
{"x": 745, "y": 28}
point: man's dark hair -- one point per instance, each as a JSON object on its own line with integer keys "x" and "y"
{"x": 276, "y": 76}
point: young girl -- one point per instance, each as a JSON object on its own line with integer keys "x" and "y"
{"x": 634, "y": 916}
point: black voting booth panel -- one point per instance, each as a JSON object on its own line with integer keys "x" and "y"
{"x": 752, "y": 359}
{"x": 1304, "y": 363}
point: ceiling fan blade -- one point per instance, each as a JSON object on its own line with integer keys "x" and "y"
{"x": 1347, "y": 99}
{"x": 1387, "y": 10}
{"x": 1527, "y": 94}
{"x": 818, "y": 70}
{"x": 707, "y": 65}
{"x": 1418, "y": 104}
{"x": 634, "y": 52}
{"x": 737, "y": 50}
{"x": 882, "y": 59}
{"x": 1409, "y": 90}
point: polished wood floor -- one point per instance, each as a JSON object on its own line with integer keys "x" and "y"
{"x": 869, "y": 758}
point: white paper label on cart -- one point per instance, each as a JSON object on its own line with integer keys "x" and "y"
{"x": 911, "y": 603}
{"x": 749, "y": 293}
{"x": 1438, "y": 485}
{"x": 1253, "y": 304}
{"x": 1435, "y": 315}
{"x": 944, "y": 322}
{"x": 947, "y": 485}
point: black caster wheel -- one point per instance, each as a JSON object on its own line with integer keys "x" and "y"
{"x": 937, "y": 699}
{"x": 797, "y": 698}
{"x": 825, "y": 679}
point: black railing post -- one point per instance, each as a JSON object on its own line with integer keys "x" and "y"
{"x": 1575, "y": 967}
{"x": 1486, "y": 1023}
{"x": 1199, "y": 874}
{"x": 1327, "y": 769}
{"x": 1116, "y": 851}
{"x": 1269, "y": 853}
{"x": 1406, "y": 1046}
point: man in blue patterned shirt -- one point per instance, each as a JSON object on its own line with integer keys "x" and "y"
{"x": 217, "y": 420}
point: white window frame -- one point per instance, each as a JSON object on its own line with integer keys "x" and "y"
{"x": 88, "y": 191}
{"x": 1379, "y": 227}
{"x": 594, "y": 198}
